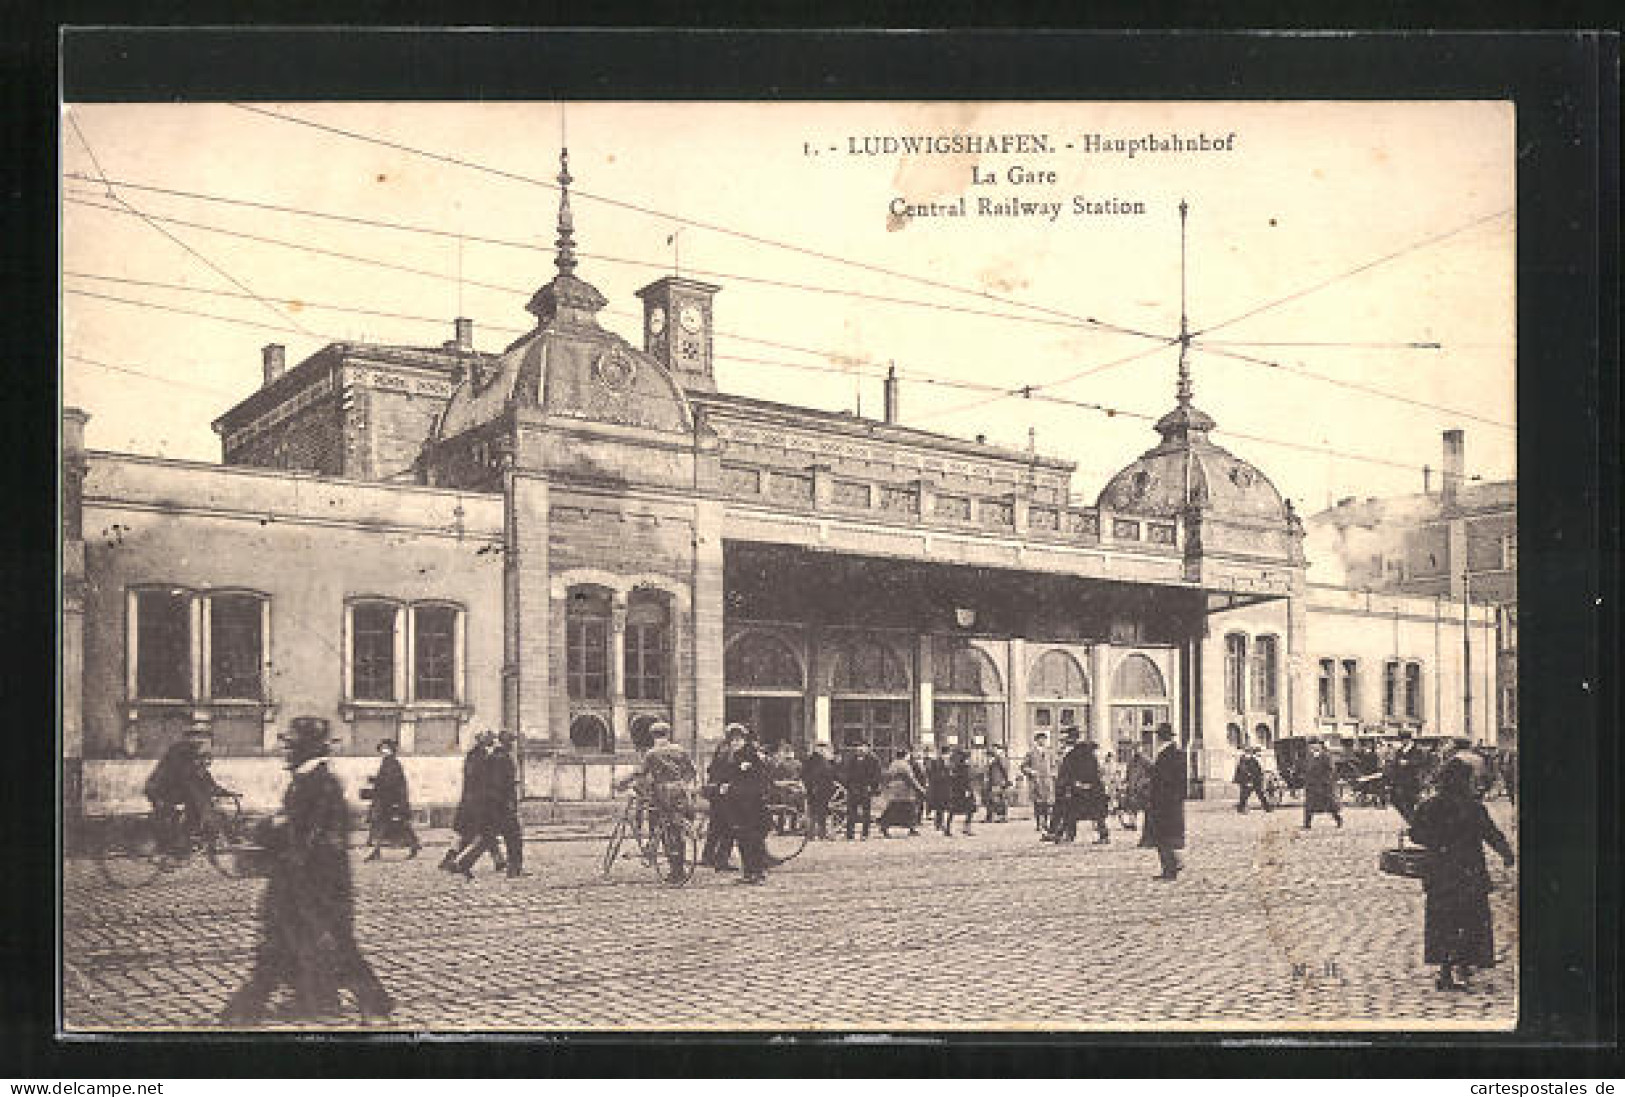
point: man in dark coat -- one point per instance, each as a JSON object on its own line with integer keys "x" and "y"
{"x": 1249, "y": 778}
{"x": 861, "y": 774}
{"x": 1457, "y": 929}
{"x": 996, "y": 787}
{"x": 1090, "y": 794}
{"x": 1165, "y": 805}
{"x": 181, "y": 790}
{"x": 1320, "y": 786}
{"x": 918, "y": 762}
{"x": 1063, "y": 825}
{"x": 391, "y": 805}
{"x": 1406, "y": 770}
{"x": 818, "y": 778}
{"x": 307, "y": 911}
{"x": 743, "y": 791}
{"x": 719, "y": 834}
{"x": 936, "y": 786}
{"x": 469, "y": 822}
{"x": 502, "y": 781}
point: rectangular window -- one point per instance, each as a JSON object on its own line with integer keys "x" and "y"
{"x": 1235, "y": 657}
{"x": 1390, "y": 691}
{"x": 434, "y": 647}
{"x": 1413, "y": 691}
{"x": 236, "y": 647}
{"x": 1509, "y": 552}
{"x": 646, "y": 662}
{"x": 1351, "y": 692}
{"x": 587, "y": 653}
{"x": 163, "y": 653}
{"x": 373, "y": 651}
{"x": 1327, "y": 697}
{"x": 1264, "y": 674}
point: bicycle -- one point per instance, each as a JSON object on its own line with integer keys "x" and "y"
{"x": 665, "y": 840}
{"x": 136, "y": 855}
{"x": 789, "y": 824}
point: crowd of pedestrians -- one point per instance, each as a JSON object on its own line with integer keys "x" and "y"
{"x": 307, "y": 940}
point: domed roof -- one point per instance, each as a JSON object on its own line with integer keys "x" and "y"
{"x": 568, "y": 365}
{"x": 1186, "y": 470}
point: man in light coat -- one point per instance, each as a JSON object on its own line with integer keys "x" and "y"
{"x": 1039, "y": 769}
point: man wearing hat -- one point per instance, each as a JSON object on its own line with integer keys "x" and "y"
{"x": 1165, "y": 805}
{"x": 743, "y": 794}
{"x": 859, "y": 770}
{"x": 307, "y": 911}
{"x": 1249, "y": 778}
{"x": 1090, "y": 792}
{"x": 1405, "y": 771}
{"x": 471, "y": 820}
{"x": 1063, "y": 824}
{"x": 181, "y": 790}
{"x": 1039, "y": 769}
{"x": 1320, "y": 786}
{"x": 495, "y": 811}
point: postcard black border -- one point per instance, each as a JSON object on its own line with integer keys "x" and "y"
{"x": 1566, "y": 90}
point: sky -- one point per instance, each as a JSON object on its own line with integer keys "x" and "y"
{"x": 1325, "y": 240}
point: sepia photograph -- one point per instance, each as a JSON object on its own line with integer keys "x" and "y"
{"x": 654, "y": 566}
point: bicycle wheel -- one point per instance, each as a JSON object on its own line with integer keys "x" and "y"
{"x": 131, "y": 856}
{"x": 612, "y": 849}
{"x": 678, "y": 853}
{"x": 786, "y": 833}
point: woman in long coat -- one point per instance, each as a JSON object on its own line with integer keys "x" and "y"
{"x": 903, "y": 790}
{"x": 391, "y": 806}
{"x": 1456, "y": 931}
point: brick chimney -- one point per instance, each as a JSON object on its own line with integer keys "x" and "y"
{"x": 892, "y": 408}
{"x": 275, "y": 359}
{"x": 1455, "y": 447}
{"x": 465, "y": 333}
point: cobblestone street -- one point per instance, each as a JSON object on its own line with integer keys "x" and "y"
{"x": 1270, "y": 927}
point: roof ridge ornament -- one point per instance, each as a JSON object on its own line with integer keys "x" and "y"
{"x": 565, "y": 259}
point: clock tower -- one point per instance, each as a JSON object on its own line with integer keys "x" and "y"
{"x": 677, "y": 329}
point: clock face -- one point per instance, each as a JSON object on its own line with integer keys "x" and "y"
{"x": 689, "y": 317}
{"x": 657, "y": 320}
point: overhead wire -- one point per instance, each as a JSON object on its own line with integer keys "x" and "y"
{"x": 171, "y": 237}
{"x": 1000, "y": 391}
{"x": 724, "y": 230}
{"x": 1016, "y": 391}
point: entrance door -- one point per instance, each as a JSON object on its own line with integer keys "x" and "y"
{"x": 774, "y": 720}
{"x": 1136, "y": 725}
{"x": 881, "y": 724}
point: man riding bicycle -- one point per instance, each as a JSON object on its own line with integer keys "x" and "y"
{"x": 181, "y": 790}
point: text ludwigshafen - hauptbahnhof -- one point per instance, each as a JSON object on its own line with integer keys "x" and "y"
{"x": 1026, "y": 177}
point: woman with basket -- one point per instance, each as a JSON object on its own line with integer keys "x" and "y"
{"x": 1454, "y": 826}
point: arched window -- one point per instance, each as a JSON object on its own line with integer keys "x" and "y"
{"x": 648, "y": 645}
{"x": 1264, "y": 674}
{"x": 1263, "y": 736}
{"x": 1235, "y": 736}
{"x": 761, "y": 661}
{"x": 587, "y": 644}
{"x": 1235, "y": 673}
{"x": 959, "y": 668}
{"x": 589, "y": 733}
{"x": 1057, "y": 674}
{"x": 1137, "y": 676}
{"x": 867, "y": 665}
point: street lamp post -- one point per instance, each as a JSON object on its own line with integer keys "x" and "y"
{"x": 1466, "y": 652}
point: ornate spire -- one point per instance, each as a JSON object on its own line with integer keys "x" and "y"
{"x": 566, "y": 299}
{"x": 1182, "y": 392}
{"x": 565, "y": 260}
